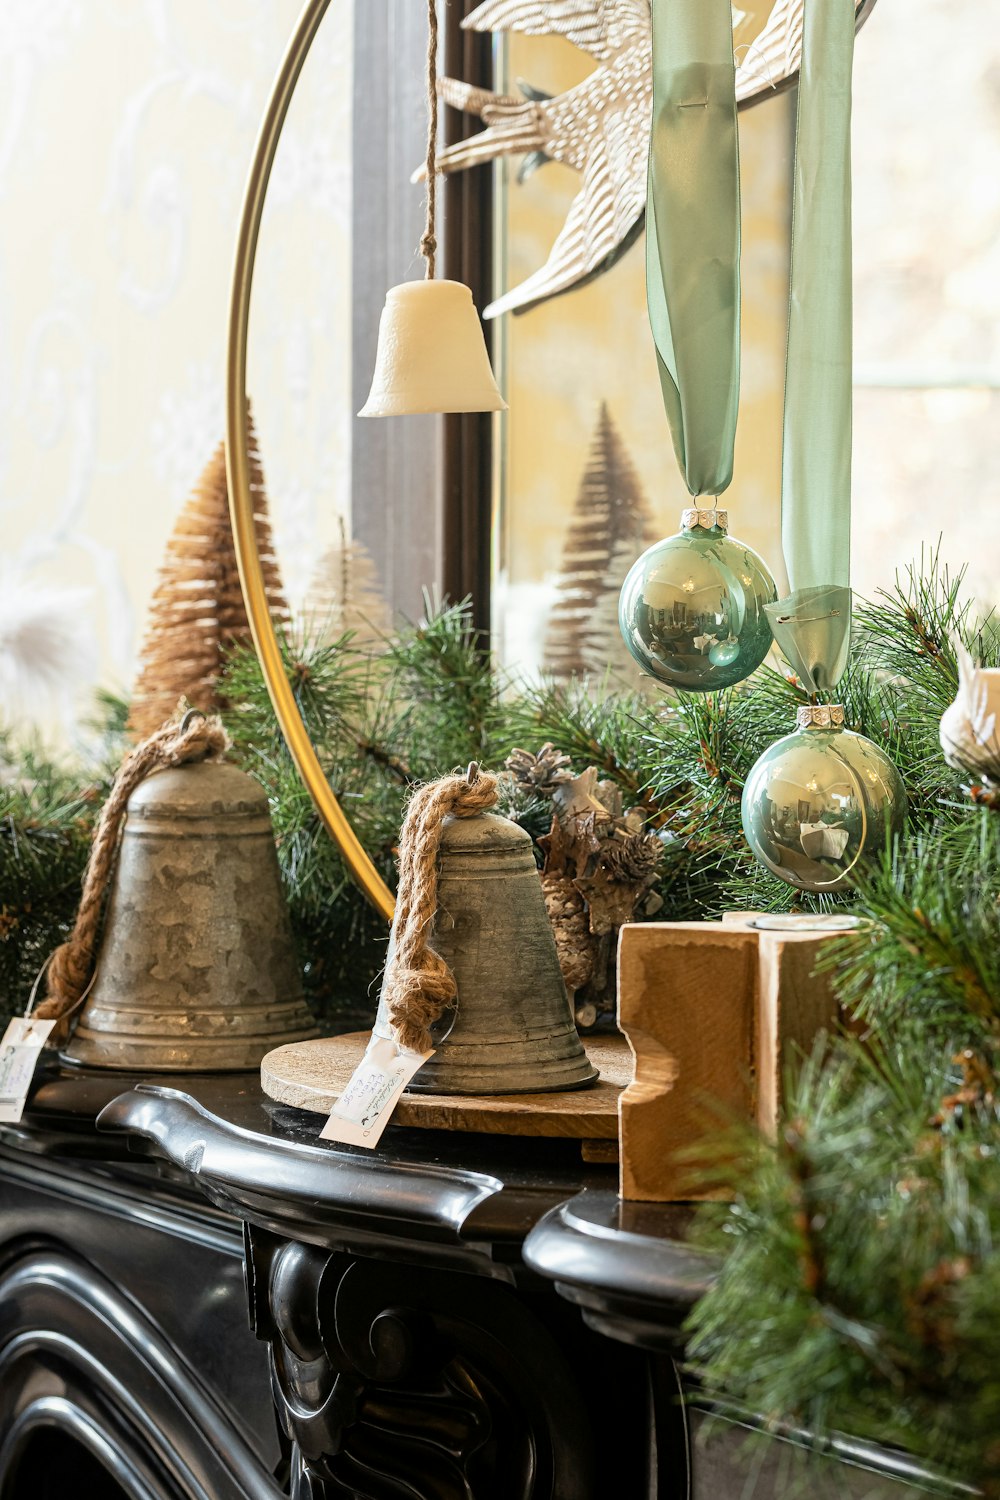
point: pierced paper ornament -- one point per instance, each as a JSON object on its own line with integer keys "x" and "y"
{"x": 970, "y": 726}
{"x": 600, "y": 127}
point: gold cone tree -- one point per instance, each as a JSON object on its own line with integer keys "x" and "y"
{"x": 611, "y": 524}
{"x": 197, "y": 611}
{"x": 345, "y": 595}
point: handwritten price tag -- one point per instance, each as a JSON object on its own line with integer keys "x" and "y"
{"x": 372, "y": 1092}
{"x": 20, "y": 1049}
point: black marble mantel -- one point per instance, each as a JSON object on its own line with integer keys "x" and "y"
{"x": 452, "y": 1317}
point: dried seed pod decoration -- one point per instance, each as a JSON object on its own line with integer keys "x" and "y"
{"x": 542, "y": 772}
{"x": 600, "y": 867}
{"x": 575, "y": 944}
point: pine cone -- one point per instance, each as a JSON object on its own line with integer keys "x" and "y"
{"x": 575, "y": 947}
{"x": 632, "y": 859}
{"x": 542, "y": 772}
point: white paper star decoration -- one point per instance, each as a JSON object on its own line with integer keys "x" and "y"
{"x": 600, "y": 127}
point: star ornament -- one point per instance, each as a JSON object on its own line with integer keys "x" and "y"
{"x": 600, "y": 127}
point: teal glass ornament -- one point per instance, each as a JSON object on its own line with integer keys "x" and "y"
{"x": 691, "y": 610}
{"x": 821, "y": 801}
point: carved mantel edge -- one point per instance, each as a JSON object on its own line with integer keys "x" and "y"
{"x": 383, "y": 1372}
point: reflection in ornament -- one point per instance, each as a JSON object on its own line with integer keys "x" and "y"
{"x": 724, "y": 653}
{"x": 692, "y": 608}
{"x": 820, "y": 801}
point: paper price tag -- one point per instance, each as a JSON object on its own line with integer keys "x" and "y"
{"x": 371, "y": 1094}
{"x": 20, "y": 1049}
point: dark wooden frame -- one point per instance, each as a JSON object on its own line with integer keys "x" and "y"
{"x": 468, "y": 257}
{"x": 421, "y": 486}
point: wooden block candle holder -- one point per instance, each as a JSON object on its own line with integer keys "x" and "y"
{"x": 715, "y": 1012}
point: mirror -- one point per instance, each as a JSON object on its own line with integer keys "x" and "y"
{"x": 587, "y": 471}
{"x": 582, "y": 386}
{"x": 605, "y": 530}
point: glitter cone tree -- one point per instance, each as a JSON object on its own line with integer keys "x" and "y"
{"x": 610, "y": 526}
{"x": 345, "y": 596}
{"x": 197, "y": 612}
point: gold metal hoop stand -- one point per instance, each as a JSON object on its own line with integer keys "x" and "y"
{"x": 238, "y": 462}
{"x": 238, "y": 470}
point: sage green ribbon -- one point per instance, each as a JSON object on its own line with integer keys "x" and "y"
{"x": 693, "y": 235}
{"x": 812, "y": 626}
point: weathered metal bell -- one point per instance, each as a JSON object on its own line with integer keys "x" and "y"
{"x": 511, "y": 1029}
{"x": 197, "y": 968}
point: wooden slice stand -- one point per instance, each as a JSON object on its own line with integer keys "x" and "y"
{"x": 311, "y": 1075}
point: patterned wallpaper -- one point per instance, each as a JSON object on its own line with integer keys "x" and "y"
{"x": 126, "y": 128}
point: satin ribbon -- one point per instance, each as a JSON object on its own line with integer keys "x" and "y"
{"x": 812, "y": 626}
{"x": 693, "y": 235}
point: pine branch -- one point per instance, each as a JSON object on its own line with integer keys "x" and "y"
{"x": 442, "y": 671}
{"x": 593, "y": 726}
{"x": 858, "y": 1254}
{"x": 46, "y": 821}
{"x": 931, "y": 940}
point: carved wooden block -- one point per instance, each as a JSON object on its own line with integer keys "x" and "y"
{"x": 793, "y": 1004}
{"x": 715, "y": 1012}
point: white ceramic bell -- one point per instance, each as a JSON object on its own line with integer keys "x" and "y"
{"x": 431, "y": 354}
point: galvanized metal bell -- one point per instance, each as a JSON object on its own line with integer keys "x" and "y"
{"x": 197, "y": 967}
{"x": 511, "y": 1029}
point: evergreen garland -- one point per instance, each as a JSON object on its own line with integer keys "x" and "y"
{"x": 47, "y": 816}
{"x": 860, "y": 1266}
{"x": 858, "y": 1279}
{"x": 431, "y": 700}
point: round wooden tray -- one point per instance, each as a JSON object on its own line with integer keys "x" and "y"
{"x": 310, "y": 1075}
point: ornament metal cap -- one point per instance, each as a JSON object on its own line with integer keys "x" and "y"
{"x": 695, "y": 515}
{"x": 820, "y": 716}
{"x": 431, "y": 354}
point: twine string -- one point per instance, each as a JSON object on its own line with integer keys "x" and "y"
{"x": 419, "y": 985}
{"x": 71, "y": 967}
{"x": 428, "y": 241}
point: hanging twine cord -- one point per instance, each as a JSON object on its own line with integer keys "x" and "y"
{"x": 419, "y": 986}
{"x": 428, "y": 242}
{"x": 71, "y": 967}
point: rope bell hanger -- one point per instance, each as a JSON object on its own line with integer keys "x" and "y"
{"x": 431, "y": 348}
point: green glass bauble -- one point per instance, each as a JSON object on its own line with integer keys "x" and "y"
{"x": 692, "y": 608}
{"x": 820, "y": 801}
